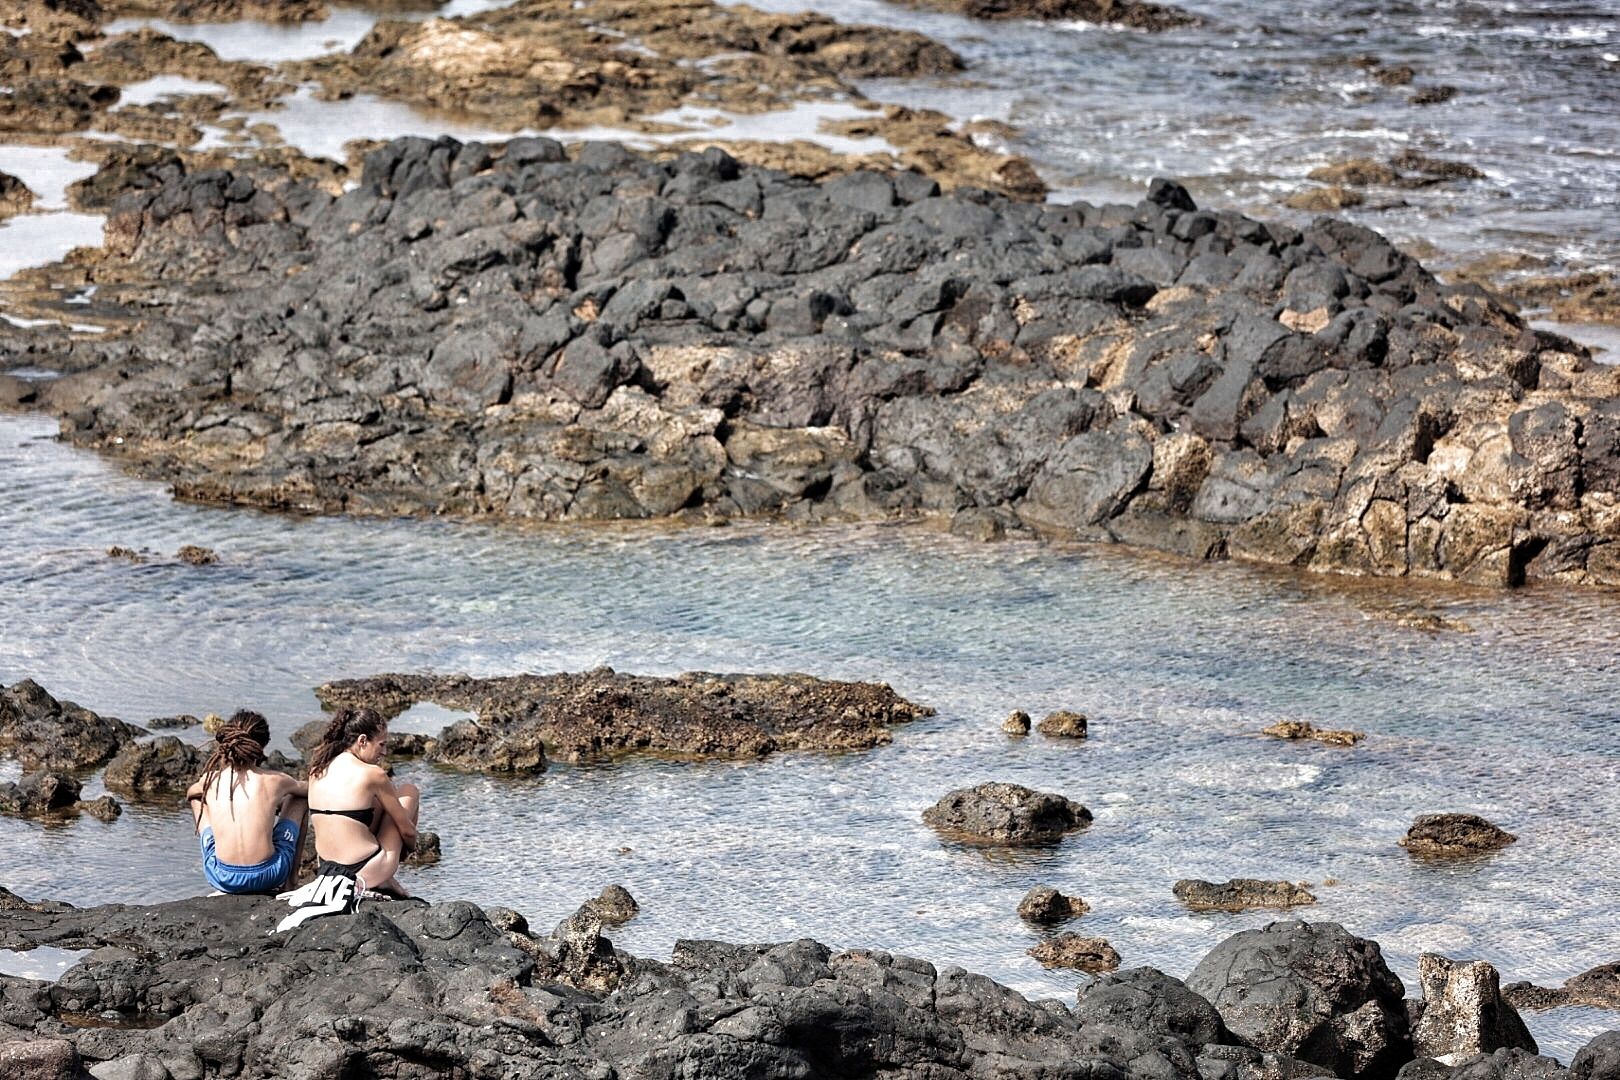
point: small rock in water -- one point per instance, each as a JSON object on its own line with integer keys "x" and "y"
{"x": 428, "y": 850}
{"x": 1434, "y": 95}
{"x": 996, "y": 813}
{"x": 1073, "y": 951}
{"x": 127, "y": 554}
{"x": 15, "y": 197}
{"x": 1063, "y": 725}
{"x": 213, "y": 722}
{"x": 1044, "y": 904}
{"x": 1017, "y": 723}
{"x": 1298, "y": 729}
{"x": 614, "y": 906}
{"x": 1454, "y": 834}
{"x": 183, "y": 720}
{"x": 196, "y": 556}
{"x": 1463, "y": 1012}
{"x": 1241, "y": 894}
{"x": 39, "y": 794}
{"x": 105, "y": 808}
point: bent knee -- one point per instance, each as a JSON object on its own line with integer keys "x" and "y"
{"x": 408, "y": 791}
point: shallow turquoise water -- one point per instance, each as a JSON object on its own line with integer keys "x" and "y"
{"x": 1178, "y": 665}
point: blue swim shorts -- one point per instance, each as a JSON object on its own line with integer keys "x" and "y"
{"x": 264, "y": 877}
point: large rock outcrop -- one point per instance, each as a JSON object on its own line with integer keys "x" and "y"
{"x": 487, "y": 331}
{"x": 1312, "y": 991}
{"x": 1463, "y": 1013}
{"x": 42, "y": 732}
{"x": 523, "y": 719}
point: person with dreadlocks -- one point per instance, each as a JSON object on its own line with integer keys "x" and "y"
{"x": 250, "y": 819}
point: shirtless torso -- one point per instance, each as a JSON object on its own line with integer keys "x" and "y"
{"x": 242, "y": 818}
{"x": 362, "y": 819}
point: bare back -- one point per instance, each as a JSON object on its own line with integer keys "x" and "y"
{"x": 347, "y": 784}
{"x": 242, "y": 819}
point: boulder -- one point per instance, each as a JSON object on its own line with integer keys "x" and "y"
{"x": 39, "y": 1059}
{"x": 1599, "y": 986}
{"x": 1068, "y": 950}
{"x": 614, "y": 906}
{"x": 1450, "y": 835}
{"x": 158, "y": 767}
{"x": 41, "y": 732}
{"x": 1017, "y": 723}
{"x": 1505, "y": 1064}
{"x": 193, "y": 555}
{"x": 1045, "y": 905}
{"x": 428, "y": 850}
{"x": 39, "y": 794}
{"x": 1312, "y": 991}
{"x": 1146, "y": 999}
{"x": 1598, "y": 1059}
{"x": 14, "y": 196}
{"x": 1241, "y": 894}
{"x": 1063, "y": 725}
{"x": 1463, "y": 1012}
{"x": 1008, "y": 814}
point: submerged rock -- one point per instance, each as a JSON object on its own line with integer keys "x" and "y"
{"x": 1463, "y": 1013}
{"x": 1312, "y": 991}
{"x": 41, "y": 732}
{"x": 160, "y": 767}
{"x": 1449, "y": 835}
{"x": 1241, "y": 894}
{"x": 1293, "y": 730}
{"x": 1044, "y": 904}
{"x": 524, "y": 718}
{"x": 1069, "y": 950}
{"x": 997, "y": 813}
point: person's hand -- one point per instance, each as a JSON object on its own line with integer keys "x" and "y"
{"x": 408, "y": 838}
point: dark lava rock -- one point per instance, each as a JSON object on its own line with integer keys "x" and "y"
{"x": 996, "y": 813}
{"x": 1146, "y": 999}
{"x": 1068, "y": 950}
{"x": 39, "y": 794}
{"x": 1136, "y": 14}
{"x": 1241, "y": 894}
{"x": 39, "y": 1059}
{"x": 1063, "y": 725}
{"x": 1044, "y": 904}
{"x": 1017, "y": 723}
{"x": 523, "y": 718}
{"x": 1454, "y": 834}
{"x": 1507, "y": 1064}
{"x": 428, "y": 850}
{"x": 102, "y": 808}
{"x": 1312, "y": 991}
{"x": 14, "y": 196}
{"x": 196, "y": 556}
{"x": 42, "y": 732}
{"x": 1463, "y": 1011}
{"x": 1599, "y": 986}
{"x": 159, "y": 767}
{"x": 614, "y": 906}
{"x": 164, "y": 723}
{"x": 1598, "y": 1059}
{"x": 517, "y": 334}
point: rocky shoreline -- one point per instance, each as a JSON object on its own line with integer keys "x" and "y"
{"x": 200, "y": 988}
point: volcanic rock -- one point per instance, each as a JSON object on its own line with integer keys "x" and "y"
{"x": 524, "y": 718}
{"x": 1293, "y": 730}
{"x": 614, "y": 906}
{"x": 1310, "y": 990}
{"x": 1598, "y": 1059}
{"x": 1241, "y": 894}
{"x": 996, "y": 813}
{"x": 1463, "y": 1012}
{"x": 1044, "y": 904}
{"x": 196, "y": 556}
{"x": 1447, "y": 835}
{"x": 1505, "y": 1064}
{"x": 428, "y": 850}
{"x": 1017, "y": 723}
{"x": 14, "y": 196}
{"x": 1146, "y": 999}
{"x": 158, "y": 767}
{"x": 1136, "y": 14}
{"x": 39, "y": 794}
{"x": 41, "y": 732}
{"x": 1068, "y": 950}
{"x": 1063, "y": 725}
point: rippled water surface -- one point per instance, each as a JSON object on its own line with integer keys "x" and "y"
{"x": 1178, "y": 666}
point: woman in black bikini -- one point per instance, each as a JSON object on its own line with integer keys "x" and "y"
{"x": 363, "y": 821}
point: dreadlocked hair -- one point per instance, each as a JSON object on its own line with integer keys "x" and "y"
{"x": 238, "y": 746}
{"x": 347, "y": 725}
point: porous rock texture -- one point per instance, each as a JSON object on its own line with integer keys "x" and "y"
{"x": 408, "y": 990}
{"x": 41, "y": 732}
{"x": 1450, "y": 835}
{"x": 522, "y": 719}
{"x": 155, "y": 768}
{"x": 48, "y": 795}
{"x": 1044, "y": 904}
{"x": 1010, "y": 814}
{"x": 1463, "y": 1013}
{"x": 1597, "y": 987}
{"x": 1241, "y": 894}
{"x": 1313, "y": 991}
{"x": 504, "y": 331}
{"x": 14, "y": 196}
{"x": 1136, "y": 14}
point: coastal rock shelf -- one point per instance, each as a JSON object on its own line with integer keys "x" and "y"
{"x": 480, "y": 330}
{"x": 523, "y": 719}
{"x": 415, "y": 990}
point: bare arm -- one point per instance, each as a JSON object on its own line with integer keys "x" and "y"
{"x": 196, "y": 803}
{"x": 383, "y": 788}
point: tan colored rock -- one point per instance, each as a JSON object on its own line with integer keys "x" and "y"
{"x": 1332, "y": 197}
{"x": 1063, "y": 724}
{"x": 1448, "y": 835}
{"x": 1077, "y": 953}
{"x": 1016, "y": 724}
{"x": 1294, "y": 730}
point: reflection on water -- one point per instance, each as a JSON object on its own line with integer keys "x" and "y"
{"x": 1177, "y": 665}
{"x": 44, "y": 962}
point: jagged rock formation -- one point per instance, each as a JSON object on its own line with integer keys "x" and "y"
{"x": 997, "y": 813}
{"x": 1463, "y": 1013}
{"x": 477, "y": 331}
{"x": 41, "y": 732}
{"x": 1451, "y": 835}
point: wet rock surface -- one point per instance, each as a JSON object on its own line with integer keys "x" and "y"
{"x": 1597, "y": 987}
{"x": 1063, "y": 725}
{"x": 1452, "y": 835}
{"x": 997, "y": 813}
{"x": 1045, "y": 905}
{"x": 1463, "y": 1013}
{"x": 1310, "y": 990}
{"x": 509, "y": 332}
{"x": 1069, "y": 950}
{"x": 1135, "y": 14}
{"x": 1241, "y": 894}
{"x": 155, "y": 769}
{"x": 41, "y": 732}
{"x": 523, "y": 719}
{"x": 1296, "y": 730}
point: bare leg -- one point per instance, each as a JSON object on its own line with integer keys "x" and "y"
{"x": 380, "y": 872}
{"x": 296, "y": 809}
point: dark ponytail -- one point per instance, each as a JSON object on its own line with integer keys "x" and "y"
{"x": 238, "y": 746}
{"x": 347, "y": 725}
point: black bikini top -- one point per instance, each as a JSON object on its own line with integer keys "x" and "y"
{"x": 362, "y": 816}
